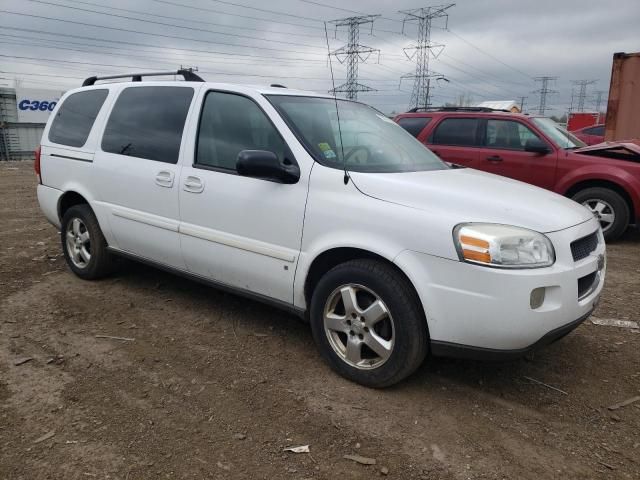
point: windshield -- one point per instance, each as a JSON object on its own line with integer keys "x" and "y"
{"x": 559, "y": 135}
{"x": 370, "y": 141}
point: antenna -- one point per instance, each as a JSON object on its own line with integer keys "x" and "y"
{"x": 335, "y": 99}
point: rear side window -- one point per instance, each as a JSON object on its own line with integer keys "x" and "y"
{"x": 147, "y": 122}
{"x": 229, "y": 124}
{"x": 595, "y": 130}
{"x": 75, "y": 117}
{"x": 414, "y": 125}
{"x": 456, "y": 131}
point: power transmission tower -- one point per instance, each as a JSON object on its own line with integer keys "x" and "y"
{"x": 598, "y": 100}
{"x": 352, "y": 54}
{"x": 582, "y": 92}
{"x": 422, "y": 50}
{"x": 544, "y": 91}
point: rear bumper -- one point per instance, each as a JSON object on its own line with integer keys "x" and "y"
{"x": 468, "y": 352}
{"x": 48, "y": 198}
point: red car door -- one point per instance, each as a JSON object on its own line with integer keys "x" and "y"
{"x": 503, "y": 153}
{"x": 456, "y": 140}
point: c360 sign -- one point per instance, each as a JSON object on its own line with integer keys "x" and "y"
{"x": 35, "y": 106}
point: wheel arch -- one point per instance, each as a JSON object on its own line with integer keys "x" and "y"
{"x": 591, "y": 183}
{"x": 69, "y": 199}
{"x": 333, "y": 257}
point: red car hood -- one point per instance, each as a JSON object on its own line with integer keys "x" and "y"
{"x": 622, "y": 150}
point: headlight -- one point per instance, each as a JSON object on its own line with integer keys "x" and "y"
{"x": 502, "y": 246}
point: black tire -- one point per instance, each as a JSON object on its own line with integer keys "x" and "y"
{"x": 617, "y": 204}
{"x": 101, "y": 262}
{"x": 410, "y": 332}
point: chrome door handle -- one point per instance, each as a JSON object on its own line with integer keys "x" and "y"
{"x": 164, "y": 178}
{"x": 194, "y": 184}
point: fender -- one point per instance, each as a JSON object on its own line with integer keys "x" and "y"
{"x": 380, "y": 246}
{"x": 620, "y": 176}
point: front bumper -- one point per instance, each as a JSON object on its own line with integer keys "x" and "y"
{"x": 476, "y": 309}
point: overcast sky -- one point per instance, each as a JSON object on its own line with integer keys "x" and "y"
{"x": 494, "y": 48}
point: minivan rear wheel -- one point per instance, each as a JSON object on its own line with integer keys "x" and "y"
{"x": 609, "y": 207}
{"x": 368, "y": 323}
{"x": 84, "y": 245}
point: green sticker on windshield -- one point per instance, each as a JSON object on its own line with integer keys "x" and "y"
{"x": 326, "y": 150}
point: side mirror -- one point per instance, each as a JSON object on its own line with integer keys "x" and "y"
{"x": 535, "y": 145}
{"x": 266, "y": 165}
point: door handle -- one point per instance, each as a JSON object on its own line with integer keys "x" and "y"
{"x": 494, "y": 158}
{"x": 164, "y": 178}
{"x": 193, "y": 184}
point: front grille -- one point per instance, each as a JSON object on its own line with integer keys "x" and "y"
{"x": 583, "y": 247}
{"x": 585, "y": 284}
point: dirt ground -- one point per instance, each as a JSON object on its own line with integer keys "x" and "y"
{"x": 210, "y": 385}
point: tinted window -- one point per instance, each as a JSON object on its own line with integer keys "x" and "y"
{"x": 147, "y": 122}
{"x": 599, "y": 130}
{"x": 414, "y": 125}
{"x": 75, "y": 117}
{"x": 507, "y": 134}
{"x": 229, "y": 124}
{"x": 456, "y": 131}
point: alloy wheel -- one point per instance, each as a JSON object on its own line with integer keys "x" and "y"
{"x": 603, "y": 211}
{"x": 78, "y": 243}
{"x": 359, "y": 326}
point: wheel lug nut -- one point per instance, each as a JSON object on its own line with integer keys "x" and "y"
{"x": 366, "y": 329}
{"x": 348, "y": 322}
{"x": 351, "y": 333}
{"x": 360, "y": 336}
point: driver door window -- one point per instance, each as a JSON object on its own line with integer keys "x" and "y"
{"x": 507, "y": 134}
{"x": 230, "y": 123}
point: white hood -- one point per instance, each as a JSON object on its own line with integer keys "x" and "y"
{"x": 468, "y": 195}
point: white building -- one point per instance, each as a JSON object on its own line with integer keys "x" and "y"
{"x": 23, "y": 114}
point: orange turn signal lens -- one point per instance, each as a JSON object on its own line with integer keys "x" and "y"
{"x": 484, "y": 257}
{"x": 476, "y": 242}
{"x": 475, "y": 249}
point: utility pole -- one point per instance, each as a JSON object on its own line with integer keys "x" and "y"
{"x": 544, "y": 91}
{"x": 522, "y": 99}
{"x": 598, "y": 101}
{"x": 422, "y": 50}
{"x": 352, "y": 54}
{"x": 582, "y": 92}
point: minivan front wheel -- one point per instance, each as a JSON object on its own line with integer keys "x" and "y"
{"x": 368, "y": 323}
{"x": 84, "y": 245}
{"x": 609, "y": 208}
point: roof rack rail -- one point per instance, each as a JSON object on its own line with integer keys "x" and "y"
{"x": 455, "y": 109}
{"x": 187, "y": 73}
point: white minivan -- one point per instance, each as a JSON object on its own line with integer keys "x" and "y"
{"x": 323, "y": 207}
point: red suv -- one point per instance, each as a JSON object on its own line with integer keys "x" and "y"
{"x": 591, "y": 135}
{"x": 534, "y": 149}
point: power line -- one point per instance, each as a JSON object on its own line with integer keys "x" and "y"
{"x": 173, "y": 25}
{"x": 544, "y": 91}
{"x": 352, "y": 54}
{"x": 153, "y": 34}
{"x": 423, "y": 49}
{"x": 489, "y": 54}
{"x": 122, "y": 42}
{"x": 190, "y": 20}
